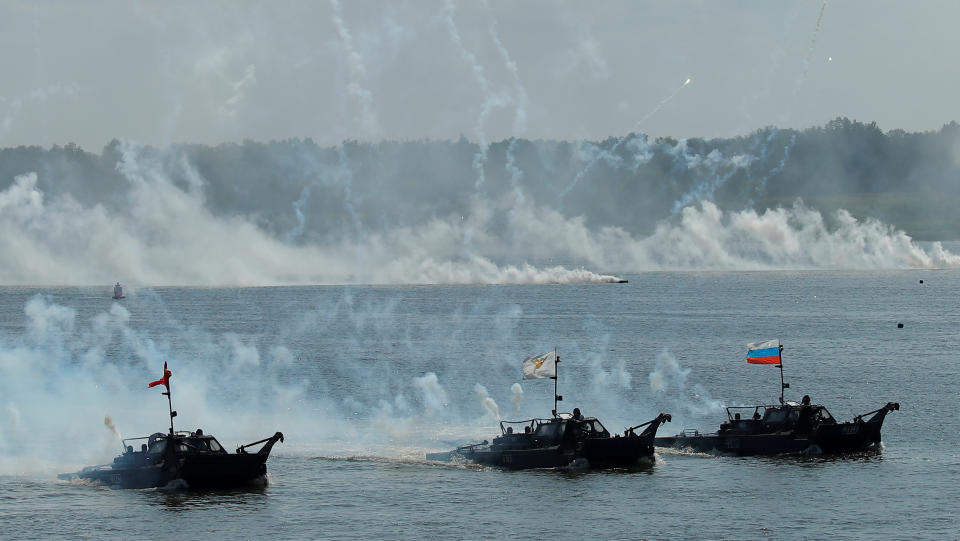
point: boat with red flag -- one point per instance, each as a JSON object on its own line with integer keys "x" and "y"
{"x": 188, "y": 459}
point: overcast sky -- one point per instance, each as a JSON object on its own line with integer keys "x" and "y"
{"x": 209, "y": 72}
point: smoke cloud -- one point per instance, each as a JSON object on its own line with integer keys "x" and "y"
{"x": 199, "y": 216}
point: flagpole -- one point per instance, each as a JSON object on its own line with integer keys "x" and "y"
{"x": 170, "y": 405}
{"x": 556, "y": 374}
{"x": 782, "y": 384}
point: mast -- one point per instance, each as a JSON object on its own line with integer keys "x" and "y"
{"x": 170, "y": 405}
{"x": 556, "y": 374}
{"x": 782, "y": 384}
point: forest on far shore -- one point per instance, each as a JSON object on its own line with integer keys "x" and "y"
{"x": 301, "y": 191}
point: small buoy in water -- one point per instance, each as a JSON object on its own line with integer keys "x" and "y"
{"x": 899, "y": 325}
{"x": 921, "y": 281}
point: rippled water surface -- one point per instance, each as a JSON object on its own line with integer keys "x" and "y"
{"x": 365, "y": 380}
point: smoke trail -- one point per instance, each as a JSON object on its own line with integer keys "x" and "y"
{"x": 239, "y": 87}
{"x": 520, "y": 114}
{"x": 347, "y": 178}
{"x": 610, "y": 153}
{"x": 357, "y": 72}
{"x": 108, "y": 422}
{"x": 717, "y": 170}
{"x": 491, "y": 100}
{"x": 660, "y": 105}
{"x": 813, "y": 41}
{"x": 297, "y": 231}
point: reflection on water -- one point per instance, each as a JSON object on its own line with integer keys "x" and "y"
{"x": 188, "y": 500}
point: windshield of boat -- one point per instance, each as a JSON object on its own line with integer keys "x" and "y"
{"x": 201, "y": 444}
{"x": 779, "y": 416}
{"x": 823, "y": 416}
{"x": 157, "y": 447}
{"x": 593, "y": 426}
{"x": 548, "y": 429}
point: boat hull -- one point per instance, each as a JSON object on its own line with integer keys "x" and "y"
{"x": 835, "y": 438}
{"x": 591, "y": 453}
{"x": 198, "y": 472}
{"x": 582, "y": 444}
{"x": 182, "y": 460}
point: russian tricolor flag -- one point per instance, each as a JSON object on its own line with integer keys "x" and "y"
{"x": 767, "y": 352}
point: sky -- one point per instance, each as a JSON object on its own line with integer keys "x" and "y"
{"x": 166, "y": 72}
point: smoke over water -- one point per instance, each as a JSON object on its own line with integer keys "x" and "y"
{"x": 168, "y": 222}
{"x": 378, "y": 383}
{"x": 668, "y": 382}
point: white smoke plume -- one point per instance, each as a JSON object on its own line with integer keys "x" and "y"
{"x": 434, "y": 397}
{"x": 65, "y": 375}
{"x": 668, "y": 381}
{"x": 108, "y": 422}
{"x": 517, "y": 397}
{"x": 357, "y": 90}
{"x": 165, "y": 234}
{"x": 489, "y": 404}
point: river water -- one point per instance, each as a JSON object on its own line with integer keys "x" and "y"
{"x": 364, "y": 380}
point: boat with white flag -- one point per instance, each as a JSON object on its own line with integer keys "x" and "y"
{"x": 562, "y": 440}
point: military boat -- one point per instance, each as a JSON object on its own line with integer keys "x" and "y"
{"x": 192, "y": 460}
{"x": 560, "y": 441}
{"x": 788, "y": 428}
{"x": 785, "y": 428}
{"x": 565, "y": 439}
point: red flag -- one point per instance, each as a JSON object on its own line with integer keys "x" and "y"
{"x": 165, "y": 380}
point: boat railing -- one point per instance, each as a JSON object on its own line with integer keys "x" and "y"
{"x": 755, "y": 412}
{"x": 532, "y": 423}
{"x": 125, "y": 440}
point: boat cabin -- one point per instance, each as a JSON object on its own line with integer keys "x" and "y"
{"x": 549, "y": 431}
{"x": 186, "y": 442}
{"x": 788, "y": 416}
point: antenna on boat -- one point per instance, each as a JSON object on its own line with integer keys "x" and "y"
{"x": 556, "y": 373}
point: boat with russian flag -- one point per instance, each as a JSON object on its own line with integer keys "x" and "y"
{"x": 785, "y": 428}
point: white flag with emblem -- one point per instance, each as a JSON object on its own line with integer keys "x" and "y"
{"x": 540, "y": 366}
